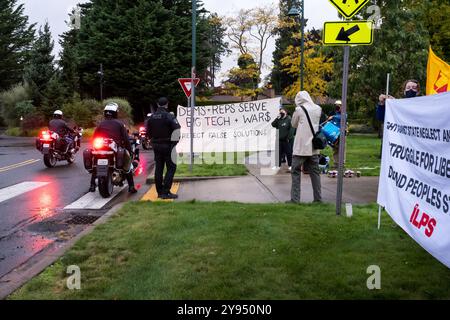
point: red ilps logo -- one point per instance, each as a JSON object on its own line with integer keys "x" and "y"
{"x": 423, "y": 220}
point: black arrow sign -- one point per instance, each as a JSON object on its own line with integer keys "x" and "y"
{"x": 344, "y": 35}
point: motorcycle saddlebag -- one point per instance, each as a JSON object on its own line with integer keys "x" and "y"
{"x": 120, "y": 158}
{"x": 38, "y": 144}
{"x": 87, "y": 159}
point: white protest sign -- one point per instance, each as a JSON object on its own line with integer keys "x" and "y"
{"x": 415, "y": 173}
{"x": 238, "y": 127}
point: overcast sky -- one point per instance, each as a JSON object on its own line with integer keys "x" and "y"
{"x": 56, "y": 12}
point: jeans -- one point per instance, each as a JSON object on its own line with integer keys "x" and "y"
{"x": 163, "y": 158}
{"x": 311, "y": 164}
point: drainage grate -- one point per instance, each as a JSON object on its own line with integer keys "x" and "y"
{"x": 83, "y": 220}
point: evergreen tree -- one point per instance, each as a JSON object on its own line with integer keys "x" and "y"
{"x": 40, "y": 68}
{"x": 144, "y": 46}
{"x": 216, "y": 40}
{"x": 16, "y": 37}
{"x": 285, "y": 31}
{"x": 69, "y": 63}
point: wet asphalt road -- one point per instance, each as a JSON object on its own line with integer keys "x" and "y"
{"x": 33, "y": 220}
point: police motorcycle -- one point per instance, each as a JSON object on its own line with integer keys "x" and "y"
{"x": 55, "y": 147}
{"x": 107, "y": 161}
{"x": 143, "y": 139}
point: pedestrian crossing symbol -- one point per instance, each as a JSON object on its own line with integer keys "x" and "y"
{"x": 348, "y": 8}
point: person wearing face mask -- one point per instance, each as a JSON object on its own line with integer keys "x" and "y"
{"x": 411, "y": 89}
{"x": 285, "y": 135}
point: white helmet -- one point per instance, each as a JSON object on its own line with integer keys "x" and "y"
{"x": 58, "y": 113}
{"x": 111, "y": 109}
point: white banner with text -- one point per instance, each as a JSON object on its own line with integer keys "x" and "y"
{"x": 415, "y": 171}
{"x": 238, "y": 127}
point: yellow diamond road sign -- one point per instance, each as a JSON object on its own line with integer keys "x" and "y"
{"x": 348, "y": 33}
{"x": 348, "y": 8}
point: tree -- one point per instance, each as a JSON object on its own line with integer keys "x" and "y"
{"x": 263, "y": 25}
{"x": 286, "y": 30}
{"x": 239, "y": 26}
{"x": 40, "y": 68}
{"x": 318, "y": 67}
{"x": 243, "y": 80}
{"x": 217, "y": 43}
{"x": 70, "y": 79}
{"x": 16, "y": 37}
{"x": 144, "y": 46}
{"x": 400, "y": 48}
{"x": 438, "y": 24}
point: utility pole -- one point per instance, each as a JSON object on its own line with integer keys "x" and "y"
{"x": 101, "y": 74}
{"x": 193, "y": 76}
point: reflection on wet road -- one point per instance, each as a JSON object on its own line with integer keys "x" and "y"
{"x": 33, "y": 200}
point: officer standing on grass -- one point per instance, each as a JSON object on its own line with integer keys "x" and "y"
{"x": 164, "y": 131}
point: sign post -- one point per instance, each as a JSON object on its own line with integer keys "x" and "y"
{"x": 346, "y": 33}
{"x": 188, "y": 85}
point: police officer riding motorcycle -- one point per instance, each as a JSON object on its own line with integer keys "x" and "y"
{"x": 110, "y": 160}
{"x": 59, "y": 142}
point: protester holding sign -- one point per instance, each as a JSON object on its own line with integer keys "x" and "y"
{"x": 304, "y": 152}
{"x": 283, "y": 124}
{"x": 411, "y": 89}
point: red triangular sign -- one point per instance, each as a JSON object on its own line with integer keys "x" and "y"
{"x": 186, "y": 84}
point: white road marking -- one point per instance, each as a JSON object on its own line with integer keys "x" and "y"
{"x": 20, "y": 188}
{"x": 93, "y": 200}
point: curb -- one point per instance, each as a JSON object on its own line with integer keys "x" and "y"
{"x": 39, "y": 262}
{"x": 151, "y": 178}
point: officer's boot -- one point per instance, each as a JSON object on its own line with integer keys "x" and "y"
{"x": 130, "y": 180}
{"x": 93, "y": 185}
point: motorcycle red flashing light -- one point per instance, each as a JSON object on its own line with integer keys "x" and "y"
{"x": 98, "y": 143}
{"x": 46, "y": 136}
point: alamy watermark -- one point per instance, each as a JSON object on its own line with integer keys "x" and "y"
{"x": 74, "y": 280}
{"x": 374, "y": 280}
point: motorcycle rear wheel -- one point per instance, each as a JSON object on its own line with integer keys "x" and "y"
{"x": 105, "y": 186}
{"x": 146, "y": 145}
{"x": 49, "y": 160}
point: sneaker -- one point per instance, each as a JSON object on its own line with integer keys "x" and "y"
{"x": 275, "y": 168}
{"x": 290, "y": 169}
{"x": 168, "y": 196}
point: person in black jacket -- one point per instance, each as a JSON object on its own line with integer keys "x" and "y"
{"x": 114, "y": 129}
{"x": 58, "y": 125}
{"x": 285, "y": 135}
{"x": 164, "y": 131}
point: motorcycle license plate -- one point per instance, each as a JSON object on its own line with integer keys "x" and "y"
{"x": 46, "y": 145}
{"x": 102, "y": 162}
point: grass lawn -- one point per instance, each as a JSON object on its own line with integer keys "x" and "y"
{"x": 235, "y": 251}
{"x": 213, "y": 165}
{"x": 362, "y": 154}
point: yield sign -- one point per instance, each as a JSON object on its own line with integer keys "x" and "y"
{"x": 186, "y": 84}
{"x": 348, "y": 8}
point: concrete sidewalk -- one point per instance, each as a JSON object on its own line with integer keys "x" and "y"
{"x": 259, "y": 187}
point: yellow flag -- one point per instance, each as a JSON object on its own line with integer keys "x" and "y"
{"x": 438, "y": 75}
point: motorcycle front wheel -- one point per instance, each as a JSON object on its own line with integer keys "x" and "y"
{"x": 49, "y": 160}
{"x": 105, "y": 186}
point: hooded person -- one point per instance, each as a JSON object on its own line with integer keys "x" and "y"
{"x": 304, "y": 153}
